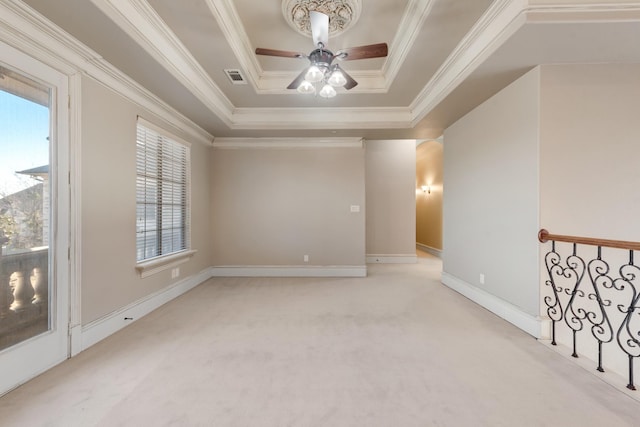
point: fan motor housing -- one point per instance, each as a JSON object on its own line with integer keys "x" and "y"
{"x": 321, "y": 57}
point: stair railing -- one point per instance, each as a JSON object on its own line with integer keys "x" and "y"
{"x": 586, "y": 292}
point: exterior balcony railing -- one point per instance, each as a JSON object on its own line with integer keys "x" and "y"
{"x": 24, "y": 299}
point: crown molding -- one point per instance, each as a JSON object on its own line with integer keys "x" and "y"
{"x": 584, "y": 12}
{"x": 231, "y": 26}
{"x": 265, "y": 82}
{"x": 279, "y": 143}
{"x": 409, "y": 29}
{"x": 142, "y": 23}
{"x": 275, "y": 82}
{"x": 499, "y": 22}
{"x": 322, "y": 118}
{"x": 27, "y": 30}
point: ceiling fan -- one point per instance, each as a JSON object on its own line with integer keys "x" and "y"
{"x": 321, "y": 72}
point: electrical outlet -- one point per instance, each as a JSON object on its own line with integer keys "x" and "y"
{"x": 175, "y": 272}
{"x": 481, "y": 279}
{"x": 306, "y": 258}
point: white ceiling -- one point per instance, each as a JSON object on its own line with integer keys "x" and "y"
{"x": 445, "y": 57}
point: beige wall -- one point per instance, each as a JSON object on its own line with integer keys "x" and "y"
{"x": 391, "y": 213}
{"x": 270, "y": 207}
{"x": 590, "y": 150}
{"x": 589, "y": 174}
{"x": 429, "y": 205}
{"x": 109, "y": 280}
{"x": 491, "y": 199}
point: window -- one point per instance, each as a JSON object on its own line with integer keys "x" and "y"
{"x": 162, "y": 193}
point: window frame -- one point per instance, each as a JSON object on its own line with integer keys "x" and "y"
{"x": 163, "y": 261}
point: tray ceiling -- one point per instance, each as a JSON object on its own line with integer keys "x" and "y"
{"x": 445, "y": 57}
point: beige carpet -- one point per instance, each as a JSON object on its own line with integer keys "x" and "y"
{"x": 394, "y": 349}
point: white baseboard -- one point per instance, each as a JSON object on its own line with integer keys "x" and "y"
{"x": 429, "y": 250}
{"x": 536, "y": 326}
{"x": 101, "y": 328}
{"x": 75, "y": 340}
{"x": 391, "y": 259}
{"x": 289, "y": 271}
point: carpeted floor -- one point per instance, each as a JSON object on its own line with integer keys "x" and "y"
{"x": 395, "y": 349}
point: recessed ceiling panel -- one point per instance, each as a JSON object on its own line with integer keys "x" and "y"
{"x": 267, "y": 27}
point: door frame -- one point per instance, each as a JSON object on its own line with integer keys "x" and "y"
{"x": 30, "y": 358}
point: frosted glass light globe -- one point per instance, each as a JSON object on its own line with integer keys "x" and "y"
{"x": 314, "y": 74}
{"x": 327, "y": 91}
{"x": 306, "y": 88}
{"x": 337, "y": 79}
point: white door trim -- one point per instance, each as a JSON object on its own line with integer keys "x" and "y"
{"x": 26, "y": 360}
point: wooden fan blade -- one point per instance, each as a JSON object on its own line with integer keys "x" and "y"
{"x": 275, "y": 52}
{"x": 351, "y": 83}
{"x": 378, "y": 50}
{"x": 296, "y": 82}
{"x": 319, "y": 28}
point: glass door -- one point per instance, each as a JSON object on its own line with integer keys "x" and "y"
{"x": 33, "y": 277}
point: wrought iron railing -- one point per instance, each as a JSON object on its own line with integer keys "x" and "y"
{"x": 587, "y": 292}
{"x": 24, "y": 300}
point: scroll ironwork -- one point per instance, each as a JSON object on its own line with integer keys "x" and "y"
{"x": 590, "y": 293}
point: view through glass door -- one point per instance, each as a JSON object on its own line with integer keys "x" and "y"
{"x": 33, "y": 302}
{"x": 24, "y": 208}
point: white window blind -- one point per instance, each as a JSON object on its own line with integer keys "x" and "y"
{"x": 162, "y": 194}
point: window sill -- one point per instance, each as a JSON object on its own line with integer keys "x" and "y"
{"x": 156, "y": 265}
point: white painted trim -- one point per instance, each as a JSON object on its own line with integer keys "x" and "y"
{"x": 276, "y": 82}
{"x": 156, "y": 265}
{"x": 75, "y": 337}
{"x": 289, "y": 271}
{"x": 107, "y": 325}
{"x": 23, "y": 27}
{"x": 535, "y": 326}
{"x": 24, "y": 360}
{"x": 429, "y": 249}
{"x": 613, "y": 12}
{"x": 75, "y": 258}
{"x": 322, "y": 118}
{"x": 27, "y": 30}
{"x": 266, "y": 143}
{"x": 369, "y": 81}
{"x": 142, "y": 23}
{"x": 391, "y": 259}
{"x": 497, "y": 25}
{"x": 231, "y": 26}
{"x": 410, "y": 26}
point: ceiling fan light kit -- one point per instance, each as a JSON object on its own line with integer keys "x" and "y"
{"x": 326, "y": 77}
{"x": 337, "y": 79}
{"x": 306, "y": 88}
{"x": 314, "y": 74}
{"x": 327, "y": 91}
{"x": 321, "y": 72}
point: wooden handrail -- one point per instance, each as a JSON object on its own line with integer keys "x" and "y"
{"x": 544, "y": 236}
